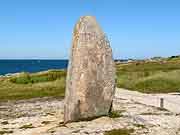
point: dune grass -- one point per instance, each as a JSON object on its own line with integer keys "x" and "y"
{"x": 150, "y": 77}
{"x": 27, "y": 86}
{"x": 26, "y": 78}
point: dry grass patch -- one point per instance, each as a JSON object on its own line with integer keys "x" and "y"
{"x": 120, "y": 132}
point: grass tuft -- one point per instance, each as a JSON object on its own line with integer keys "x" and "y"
{"x": 6, "y": 132}
{"x": 5, "y": 123}
{"x": 120, "y": 132}
{"x": 115, "y": 114}
{"x": 27, "y": 126}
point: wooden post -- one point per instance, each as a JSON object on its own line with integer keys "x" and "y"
{"x": 161, "y": 103}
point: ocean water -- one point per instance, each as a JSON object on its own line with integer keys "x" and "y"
{"x": 16, "y": 66}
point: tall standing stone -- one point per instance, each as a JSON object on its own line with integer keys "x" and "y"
{"x": 91, "y": 74}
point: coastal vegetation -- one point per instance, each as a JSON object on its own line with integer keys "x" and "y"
{"x": 157, "y": 76}
{"x": 26, "y": 86}
{"x": 161, "y": 76}
{"x": 27, "y": 78}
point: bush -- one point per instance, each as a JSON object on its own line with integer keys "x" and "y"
{"x": 23, "y": 78}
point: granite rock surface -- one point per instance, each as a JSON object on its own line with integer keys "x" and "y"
{"x": 91, "y": 73}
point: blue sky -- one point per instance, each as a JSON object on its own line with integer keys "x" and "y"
{"x": 43, "y": 28}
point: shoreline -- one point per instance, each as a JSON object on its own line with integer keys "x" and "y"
{"x": 38, "y": 72}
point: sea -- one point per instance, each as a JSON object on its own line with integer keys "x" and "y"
{"x": 31, "y": 66}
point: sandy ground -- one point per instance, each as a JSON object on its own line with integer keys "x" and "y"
{"x": 138, "y": 111}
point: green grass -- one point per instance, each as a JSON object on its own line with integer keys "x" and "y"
{"x": 22, "y": 88}
{"x": 115, "y": 114}
{"x": 150, "y": 77}
{"x": 119, "y": 132}
{"x": 26, "y": 78}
